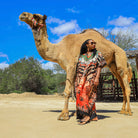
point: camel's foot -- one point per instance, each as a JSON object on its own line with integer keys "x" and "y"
{"x": 128, "y": 113}
{"x": 122, "y": 112}
{"x": 64, "y": 116}
{"x": 125, "y": 112}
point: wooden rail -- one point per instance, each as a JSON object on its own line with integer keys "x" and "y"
{"x": 109, "y": 87}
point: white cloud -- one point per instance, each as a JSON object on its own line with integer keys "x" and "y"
{"x": 122, "y": 21}
{"x": 48, "y": 65}
{"x": 116, "y": 30}
{"x": 58, "y": 40}
{"x": 125, "y": 26}
{"x": 134, "y": 27}
{"x": 66, "y": 28}
{"x": 54, "y": 20}
{"x": 4, "y": 55}
{"x": 126, "y": 30}
{"x": 73, "y": 10}
{"x": 3, "y": 65}
{"x": 62, "y": 28}
{"x": 131, "y": 31}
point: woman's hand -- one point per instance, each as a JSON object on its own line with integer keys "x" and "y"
{"x": 96, "y": 81}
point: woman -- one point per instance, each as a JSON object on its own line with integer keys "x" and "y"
{"x": 87, "y": 79}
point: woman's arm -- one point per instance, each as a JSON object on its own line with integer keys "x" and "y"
{"x": 96, "y": 81}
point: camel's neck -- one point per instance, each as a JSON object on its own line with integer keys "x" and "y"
{"x": 44, "y": 47}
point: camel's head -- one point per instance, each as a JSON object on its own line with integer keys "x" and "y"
{"x": 33, "y": 20}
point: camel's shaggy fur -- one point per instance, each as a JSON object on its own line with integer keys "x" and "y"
{"x": 67, "y": 51}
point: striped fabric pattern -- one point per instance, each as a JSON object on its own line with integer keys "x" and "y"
{"x": 85, "y": 91}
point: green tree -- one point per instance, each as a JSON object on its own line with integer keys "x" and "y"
{"x": 24, "y": 75}
{"x": 60, "y": 78}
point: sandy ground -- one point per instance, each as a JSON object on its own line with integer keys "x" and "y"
{"x": 31, "y": 116}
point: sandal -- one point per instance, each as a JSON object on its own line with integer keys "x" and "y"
{"x": 84, "y": 122}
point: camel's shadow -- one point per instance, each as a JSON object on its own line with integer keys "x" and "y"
{"x": 72, "y": 112}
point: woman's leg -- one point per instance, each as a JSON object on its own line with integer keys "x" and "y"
{"x": 90, "y": 94}
{"x": 94, "y": 111}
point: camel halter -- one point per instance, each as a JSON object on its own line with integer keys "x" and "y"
{"x": 34, "y": 23}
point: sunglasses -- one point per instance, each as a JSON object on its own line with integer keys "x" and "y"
{"x": 92, "y": 43}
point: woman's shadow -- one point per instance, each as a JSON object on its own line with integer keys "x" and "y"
{"x": 105, "y": 111}
{"x": 100, "y": 117}
{"x": 98, "y": 113}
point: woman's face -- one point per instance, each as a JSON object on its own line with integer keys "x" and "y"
{"x": 91, "y": 45}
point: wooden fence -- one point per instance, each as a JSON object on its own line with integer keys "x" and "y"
{"x": 109, "y": 88}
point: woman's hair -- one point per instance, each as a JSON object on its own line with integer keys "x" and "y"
{"x": 84, "y": 47}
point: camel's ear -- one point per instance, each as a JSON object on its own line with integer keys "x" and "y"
{"x": 34, "y": 15}
{"x": 44, "y": 17}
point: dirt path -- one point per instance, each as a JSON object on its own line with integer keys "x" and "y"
{"x": 32, "y": 116}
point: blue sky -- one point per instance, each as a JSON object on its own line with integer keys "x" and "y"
{"x": 64, "y": 17}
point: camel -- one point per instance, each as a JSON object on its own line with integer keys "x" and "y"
{"x": 67, "y": 51}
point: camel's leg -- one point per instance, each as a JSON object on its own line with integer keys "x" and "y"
{"x": 67, "y": 92}
{"x": 65, "y": 113}
{"x": 123, "y": 72}
{"x": 73, "y": 95}
{"x": 113, "y": 69}
{"x": 127, "y": 90}
{"x": 123, "y": 110}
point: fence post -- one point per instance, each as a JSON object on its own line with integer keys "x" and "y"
{"x": 135, "y": 84}
{"x": 114, "y": 87}
{"x": 117, "y": 89}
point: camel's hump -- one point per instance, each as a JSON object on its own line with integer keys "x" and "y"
{"x": 87, "y": 30}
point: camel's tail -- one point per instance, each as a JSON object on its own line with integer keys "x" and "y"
{"x": 129, "y": 72}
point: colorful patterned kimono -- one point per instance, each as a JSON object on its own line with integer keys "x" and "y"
{"x": 85, "y": 90}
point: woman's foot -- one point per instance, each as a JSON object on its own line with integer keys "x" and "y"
{"x": 95, "y": 119}
{"x": 85, "y": 120}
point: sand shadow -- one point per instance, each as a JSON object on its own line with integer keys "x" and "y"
{"x": 72, "y": 112}
{"x": 100, "y": 117}
{"x": 58, "y": 111}
{"x": 107, "y": 111}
